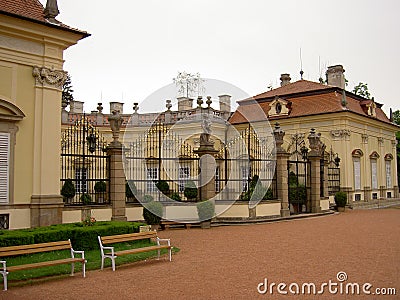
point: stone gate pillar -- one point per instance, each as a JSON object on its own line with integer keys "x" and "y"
{"x": 206, "y": 152}
{"x": 314, "y": 157}
{"x": 281, "y": 170}
{"x": 117, "y": 175}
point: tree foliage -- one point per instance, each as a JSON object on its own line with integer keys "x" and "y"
{"x": 67, "y": 90}
{"x": 361, "y": 89}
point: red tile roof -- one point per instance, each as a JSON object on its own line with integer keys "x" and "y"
{"x": 32, "y": 10}
{"x": 305, "y": 98}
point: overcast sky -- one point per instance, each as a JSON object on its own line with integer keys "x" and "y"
{"x": 137, "y": 47}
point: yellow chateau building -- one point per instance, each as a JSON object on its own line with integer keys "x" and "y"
{"x": 34, "y": 165}
{"x": 32, "y": 43}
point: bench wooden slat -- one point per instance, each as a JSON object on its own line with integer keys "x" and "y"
{"x": 140, "y": 250}
{"x": 127, "y": 237}
{"x": 45, "y": 264}
{"x": 34, "y": 248}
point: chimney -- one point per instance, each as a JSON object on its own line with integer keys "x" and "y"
{"x": 117, "y": 106}
{"x": 335, "y": 76}
{"x": 51, "y": 11}
{"x": 184, "y": 103}
{"x": 285, "y": 79}
{"x": 224, "y": 103}
{"x": 76, "y": 107}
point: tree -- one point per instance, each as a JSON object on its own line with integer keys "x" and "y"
{"x": 361, "y": 89}
{"x": 67, "y": 91}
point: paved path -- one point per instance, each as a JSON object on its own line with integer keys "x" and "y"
{"x": 228, "y": 262}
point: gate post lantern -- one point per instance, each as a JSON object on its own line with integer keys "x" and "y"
{"x": 314, "y": 156}
{"x": 282, "y": 175}
{"x": 117, "y": 175}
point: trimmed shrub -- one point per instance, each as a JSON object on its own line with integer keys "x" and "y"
{"x": 68, "y": 189}
{"x": 163, "y": 186}
{"x": 190, "y": 190}
{"x": 100, "y": 187}
{"x": 341, "y": 199}
{"x": 130, "y": 189}
{"x": 205, "y": 210}
{"x": 85, "y": 199}
{"x": 176, "y": 197}
{"x": 298, "y": 194}
{"x": 147, "y": 198}
{"x": 82, "y": 237}
{"x": 152, "y": 213}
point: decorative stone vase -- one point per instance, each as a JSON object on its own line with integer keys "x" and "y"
{"x": 341, "y": 208}
{"x": 155, "y": 227}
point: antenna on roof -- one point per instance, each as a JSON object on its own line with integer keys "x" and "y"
{"x": 301, "y": 66}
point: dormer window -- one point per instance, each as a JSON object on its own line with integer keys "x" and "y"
{"x": 278, "y": 107}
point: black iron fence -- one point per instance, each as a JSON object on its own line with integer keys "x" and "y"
{"x": 84, "y": 165}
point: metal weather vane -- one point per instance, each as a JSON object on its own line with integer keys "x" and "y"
{"x": 189, "y": 85}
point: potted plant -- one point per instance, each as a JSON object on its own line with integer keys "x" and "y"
{"x": 68, "y": 190}
{"x": 341, "y": 201}
{"x": 205, "y": 211}
{"x": 152, "y": 214}
{"x": 190, "y": 190}
{"x": 100, "y": 189}
{"x": 130, "y": 190}
{"x": 85, "y": 199}
{"x": 163, "y": 187}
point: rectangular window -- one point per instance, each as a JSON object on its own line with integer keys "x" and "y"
{"x": 4, "y": 221}
{"x": 80, "y": 180}
{"x": 389, "y": 195}
{"x": 388, "y": 174}
{"x": 217, "y": 183}
{"x": 245, "y": 173}
{"x": 184, "y": 175}
{"x": 357, "y": 197}
{"x": 4, "y": 166}
{"x": 152, "y": 178}
{"x": 374, "y": 196}
{"x": 374, "y": 174}
{"x": 357, "y": 173}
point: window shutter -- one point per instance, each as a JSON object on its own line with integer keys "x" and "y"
{"x": 4, "y": 166}
{"x": 357, "y": 174}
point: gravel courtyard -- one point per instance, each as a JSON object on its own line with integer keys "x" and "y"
{"x": 229, "y": 262}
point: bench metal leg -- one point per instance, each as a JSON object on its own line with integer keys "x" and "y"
{"x": 170, "y": 254}
{"x": 102, "y": 262}
{"x": 158, "y": 254}
{"x": 72, "y": 269}
{"x": 113, "y": 263}
{"x": 84, "y": 268}
{"x": 4, "y": 280}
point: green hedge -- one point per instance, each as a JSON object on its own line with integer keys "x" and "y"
{"x": 82, "y": 237}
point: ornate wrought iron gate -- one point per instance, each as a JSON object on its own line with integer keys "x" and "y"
{"x": 160, "y": 155}
{"x": 84, "y": 162}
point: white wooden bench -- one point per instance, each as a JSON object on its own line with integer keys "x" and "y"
{"x": 108, "y": 251}
{"x": 38, "y": 248}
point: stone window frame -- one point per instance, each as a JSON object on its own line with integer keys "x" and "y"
{"x": 8, "y": 125}
{"x": 374, "y": 156}
{"x": 388, "y": 176}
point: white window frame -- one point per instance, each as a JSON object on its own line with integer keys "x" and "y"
{"x": 152, "y": 176}
{"x": 357, "y": 173}
{"x": 81, "y": 179}
{"x": 4, "y": 167}
{"x": 183, "y": 177}
{"x": 245, "y": 173}
{"x": 217, "y": 179}
{"x": 374, "y": 174}
{"x": 388, "y": 168}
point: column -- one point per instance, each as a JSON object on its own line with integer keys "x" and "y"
{"x": 314, "y": 156}
{"x": 281, "y": 170}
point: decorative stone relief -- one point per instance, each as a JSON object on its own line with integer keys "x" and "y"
{"x": 340, "y": 133}
{"x": 49, "y": 77}
{"x": 364, "y": 138}
{"x": 394, "y": 143}
{"x": 380, "y": 141}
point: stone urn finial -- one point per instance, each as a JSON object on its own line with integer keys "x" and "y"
{"x": 51, "y": 11}
{"x": 115, "y": 123}
{"x": 316, "y": 145}
{"x": 279, "y": 135}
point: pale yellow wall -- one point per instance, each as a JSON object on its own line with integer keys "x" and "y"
{"x": 134, "y": 213}
{"x": 324, "y": 203}
{"x": 19, "y": 218}
{"x": 268, "y": 209}
{"x": 72, "y": 216}
{"x": 103, "y": 214}
{"x": 181, "y": 212}
{"x": 239, "y": 210}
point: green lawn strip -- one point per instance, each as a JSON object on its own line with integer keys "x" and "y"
{"x": 93, "y": 258}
